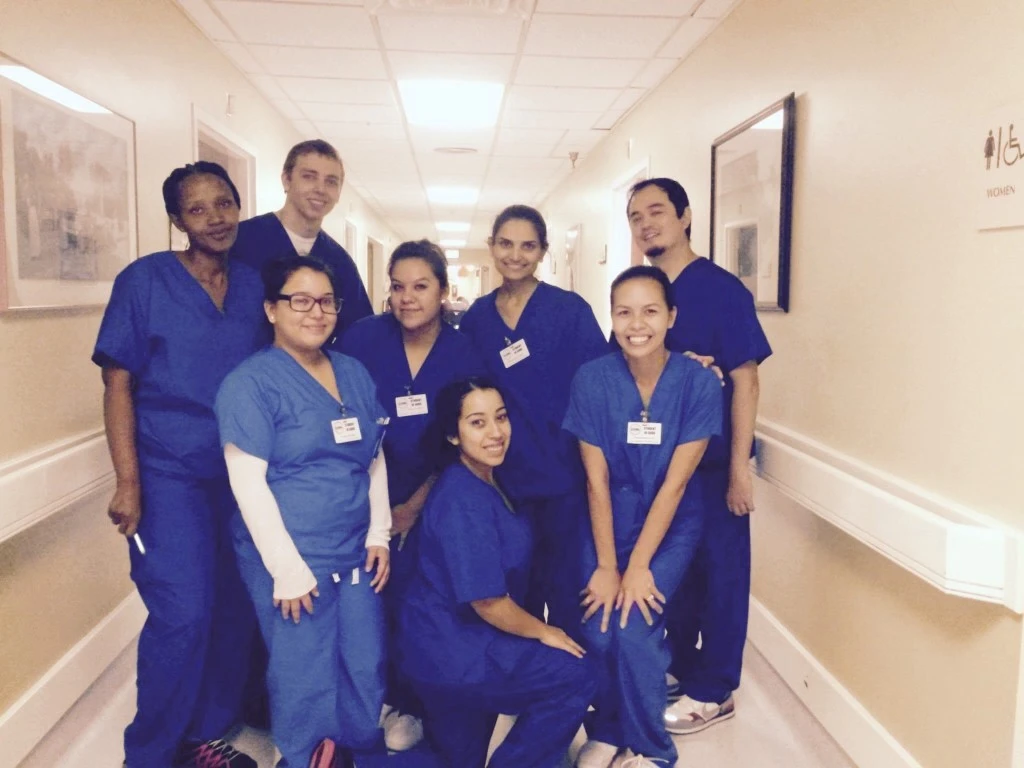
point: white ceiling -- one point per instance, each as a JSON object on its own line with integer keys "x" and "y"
{"x": 571, "y": 69}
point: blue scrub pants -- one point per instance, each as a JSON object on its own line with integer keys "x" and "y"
{"x": 193, "y": 650}
{"x": 400, "y": 693}
{"x": 714, "y": 601}
{"x": 548, "y": 689}
{"x": 630, "y": 706}
{"x": 554, "y": 571}
{"x": 326, "y": 674}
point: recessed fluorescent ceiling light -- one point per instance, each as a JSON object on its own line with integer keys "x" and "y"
{"x": 452, "y": 226}
{"x": 453, "y": 243}
{"x": 771, "y": 123}
{"x": 461, "y": 104}
{"x": 451, "y": 253}
{"x": 48, "y": 89}
{"x": 453, "y": 195}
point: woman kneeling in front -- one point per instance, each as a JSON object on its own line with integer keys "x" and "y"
{"x": 472, "y": 651}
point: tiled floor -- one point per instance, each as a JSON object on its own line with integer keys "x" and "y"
{"x": 772, "y": 729}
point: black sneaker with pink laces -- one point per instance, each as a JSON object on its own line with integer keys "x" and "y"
{"x": 213, "y": 754}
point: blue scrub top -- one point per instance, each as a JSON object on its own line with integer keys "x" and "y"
{"x": 163, "y": 328}
{"x": 687, "y": 402}
{"x": 376, "y": 342}
{"x": 263, "y": 239}
{"x": 272, "y": 408}
{"x": 472, "y": 547}
{"x": 561, "y": 334}
{"x": 716, "y": 316}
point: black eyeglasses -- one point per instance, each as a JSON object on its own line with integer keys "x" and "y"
{"x": 300, "y": 302}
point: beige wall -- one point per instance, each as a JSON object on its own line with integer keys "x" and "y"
{"x": 146, "y": 61}
{"x": 893, "y": 295}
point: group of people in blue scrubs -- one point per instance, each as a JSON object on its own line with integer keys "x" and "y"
{"x": 420, "y": 528}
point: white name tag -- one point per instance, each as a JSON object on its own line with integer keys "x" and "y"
{"x": 643, "y": 433}
{"x": 346, "y": 430}
{"x": 514, "y": 353}
{"x": 411, "y": 405}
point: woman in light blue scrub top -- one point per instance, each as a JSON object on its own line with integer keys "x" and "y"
{"x": 533, "y": 337}
{"x": 301, "y": 429}
{"x": 411, "y": 353}
{"x": 643, "y": 416}
{"x": 471, "y": 650}
{"x": 176, "y": 324}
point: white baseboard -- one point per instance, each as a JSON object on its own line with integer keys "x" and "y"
{"x": 845, "y": 719}
{"x": 34, "y": 715}
{"x": 956, "y": 549}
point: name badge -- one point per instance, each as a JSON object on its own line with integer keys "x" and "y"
{"x": 514, "y": 353}
{"x": 411, "y": 405}
{"x": 643, "y": 433}
{"x": 346, "y": 430}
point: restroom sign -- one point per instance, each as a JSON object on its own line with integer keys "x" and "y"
{"x": 998, "y": 159}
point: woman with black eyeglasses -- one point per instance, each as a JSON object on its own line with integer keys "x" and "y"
{"x": 301, "y": 429}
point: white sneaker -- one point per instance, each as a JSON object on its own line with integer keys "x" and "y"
{"x": 596, "y": 754}
{"x": 630, "y": 760}
{"x": 402, "y": 732}
{"x": 691, "y": 716}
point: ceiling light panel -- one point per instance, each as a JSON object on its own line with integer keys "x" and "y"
{"x": 451, "y": 66}
{"x": 538, "y": 97}
{"x": 455, "y": 104}
{"x": 578, "y": 72}
{"x": 337, "y": 91}
{"x": 300, "y": 61}
{"x": 313, "y": 26}
{"x": 449, "y": 34}
{"x": 687, "y": 37}
{"x": 671, "y": 8}
{"x": 609, "y": 37}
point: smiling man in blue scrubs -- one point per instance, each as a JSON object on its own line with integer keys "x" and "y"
{"x": 313, "y": 176}
{"x": 716, "y": 317}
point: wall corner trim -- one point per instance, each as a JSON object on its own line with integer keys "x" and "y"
{"x": 955, "y": 549}
{"x": 845, "y": 719}
{"x": 41, "y": 483}
{"x": 39, "y": 709}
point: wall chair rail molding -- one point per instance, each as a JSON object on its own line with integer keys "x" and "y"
{"x": 955, "y": 549}
{"x": 38, "y": 484}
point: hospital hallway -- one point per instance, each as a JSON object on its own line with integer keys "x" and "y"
{"x": 771, "y": 729}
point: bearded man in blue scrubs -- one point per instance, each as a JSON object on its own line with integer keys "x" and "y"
{"x": 716, "y": 317}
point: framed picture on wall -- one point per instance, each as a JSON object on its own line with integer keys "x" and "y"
{"x": 752, "y": 202}
{"x": 67, "y": 194}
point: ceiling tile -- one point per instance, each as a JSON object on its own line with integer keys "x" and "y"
{"x": 306, "y": 128}
{"x": 580, "y": 141}
{"x": 428, "y": 139}
{"x": 240, "y": 56}
{"x": 677, "y": 8}
{"x": 314, "y": 62}
{"x": 287, "y": 108}
{"x": 452, "y": 66}
{"x": 352, "y": 113}
{"x": 715, "y": 9}
{"x": 527, "y": 142}
{"x": 539, "y": 119}
{"x": 656, "y": 71}
{"x": 435, "y": 167}
{"x": 337, "y": 91}
{"x": 609, "y": 119}
{"x": 608, "y": 37}
{"x": 505, "y": 168}
{"x": 578, "y": 72}
{"x": 323, "y": 26}
{"x": 207, "y": 20}
{"x": 687, "y": 37}
{"x": 449, "y": 34}
{"x": 628, "y": 98}
{"x": 348, "y": 130}
{"x": 532, "y": 97}
{"x": 268, "y": 86}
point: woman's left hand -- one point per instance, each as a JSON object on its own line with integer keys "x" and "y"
{"x": 379, "y": 558}
{"x": 638, "y": 588}
{"x": 708, "y": 362}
